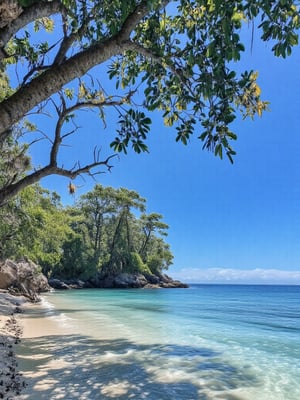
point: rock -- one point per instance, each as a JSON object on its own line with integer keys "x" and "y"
{"x": 58, "y": 284}
{"x": 107, "y": 282}
{"x": 152, "y": 279}
{"x": 126, "y": 280}
{"x": 76, "y": 283}
{"x": 23, "y": 277}
{"x": 61, "y": 284}
{"x": 152, "y": 286}
{"x": 8, "y": 274}
{"x": 129, "y": 280}
{"x": 29, "y": 275}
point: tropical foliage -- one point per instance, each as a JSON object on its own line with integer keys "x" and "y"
{"x": 106, "y": 231}
{"x": 174, "y": 57}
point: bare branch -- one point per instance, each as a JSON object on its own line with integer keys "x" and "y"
{"x": 70, "y": 133}
{"x": 38, "y": 67}
{"x": 9, "y": 192}
{"x": 63, "y": 112}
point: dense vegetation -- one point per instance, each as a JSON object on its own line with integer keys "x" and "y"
{"x": 106, "y": 230}
{"x": 173, "y": 57}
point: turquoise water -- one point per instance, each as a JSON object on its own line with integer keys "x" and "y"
{"x": 206, "y": 342}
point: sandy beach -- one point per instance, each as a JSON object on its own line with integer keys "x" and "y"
{"x": 90, "y": 345}
{"x": 14, "y": 326}
{"x": 50, "y": 369}
{"x": 11, "y": 381}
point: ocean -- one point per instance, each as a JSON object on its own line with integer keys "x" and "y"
{"x": 230, "y": 342}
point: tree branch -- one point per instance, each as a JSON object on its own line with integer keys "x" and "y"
{"x": 9, "y": 192}
{"x": 37, "y": 10}
{"x": 68, "y": 41}
{"x": 130, "y": 45}
{"x": 140, "y": 12}
{"x": 11, "y": 189}
{"x": 52, "y": 80}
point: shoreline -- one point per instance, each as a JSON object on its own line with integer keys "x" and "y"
{"x": 61, "y": 358}
{"x": 11, "y": 380}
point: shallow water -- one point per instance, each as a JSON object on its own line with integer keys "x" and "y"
{"x": 206, "y": 342}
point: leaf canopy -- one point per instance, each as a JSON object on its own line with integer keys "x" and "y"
{"x": 177, "y": 58}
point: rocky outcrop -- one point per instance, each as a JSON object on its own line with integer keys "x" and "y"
{"x": 120, "y": 281}
{"x": 126, "y": 280}
{"x": 58, "y": 284}
{"x": 69, "y": 284}
{"x": 23, "y": 277}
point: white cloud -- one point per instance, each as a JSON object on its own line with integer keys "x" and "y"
{"x": 229, "y": 275}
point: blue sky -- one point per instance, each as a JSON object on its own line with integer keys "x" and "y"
{"x": 228, "y": 223}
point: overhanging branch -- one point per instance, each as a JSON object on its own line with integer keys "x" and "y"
{"x": 63, "y": 111}
{"x": 52, "y": 80}
{"x": 38, "y": 9}
{"x": 9, "y": 192}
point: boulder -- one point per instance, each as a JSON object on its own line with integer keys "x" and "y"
{"x": 8, "y": 274}
{"x": 58, "y": 284}
{"x": 152, "y": 279}
{"x": 64, "y": 284}
{"x": 31, "y": 277}
{"x": 126, "y": 280}
{"x": 23, "y": 277}
{"x": 77, "y": 283}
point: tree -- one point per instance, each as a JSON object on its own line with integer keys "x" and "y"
{"x": 176, "y": 57}
{"x": 121, "y": 245}
{"x": 96, "y": 206}
{"x": 108, "y": 236}
{"x": 150, "y": 224}
{"x": 34, "y": 225}
{"x": 160, "y": 257}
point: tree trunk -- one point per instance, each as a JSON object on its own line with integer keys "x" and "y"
{"x": 144, "y": 246}
{"x": 52, "y": 80}
{"x": 98, "y": 236}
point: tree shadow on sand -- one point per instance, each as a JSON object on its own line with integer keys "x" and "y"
{"x": 78, "y": 367}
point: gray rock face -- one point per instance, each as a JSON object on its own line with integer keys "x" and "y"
{"x": 23, "y": 277}
{"x": 126, "y": 280}
{"x": 120, "y": 281}
{"x": 58, "y": 284}
{"x": 8, "y": 274}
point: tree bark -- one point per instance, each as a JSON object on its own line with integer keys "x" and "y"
{"x": 52, "y": 80}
